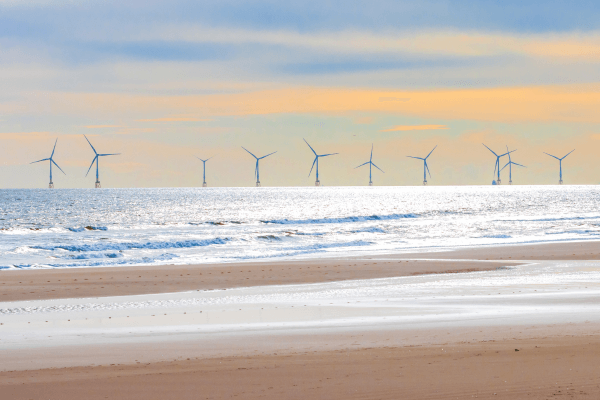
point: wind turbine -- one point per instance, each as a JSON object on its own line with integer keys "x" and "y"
{"x": 51, "y": 185}
{"x": 560, "y": 181}
{"x": 497, "y": 164}
{"x": 509, "y": 164}
{"x": 204, "y": 170}
{"x": 425, "y": 167}
{"x": 256, "y": 171}
{"x": 95, "y": 160}
{"x": 370, "y": 162}
{"x": 317, "y": 181}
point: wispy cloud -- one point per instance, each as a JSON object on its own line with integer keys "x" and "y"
{"x": 458, "y": 43}
{"x": 414, "y": 128}
{"x": 103, "y": 126}
{"x": 567, "y": 103}
{"x": 174, "y": 119}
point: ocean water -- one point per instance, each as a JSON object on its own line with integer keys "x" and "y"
{"x": 111, "y": 227}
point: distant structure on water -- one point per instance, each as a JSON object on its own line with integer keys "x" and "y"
{"x": 509, "y": 164}
{"x": 497, "y": 164}
{"x": 203, "y": 170}
{"x": 256, "y": 171}
{"x": 317, "y": 181}
{"x": 425, "y": 167}
{"x": 95, "y": 160}
{"x": 560, "y": 180}
{"x": 371, "y": 164}
{"x": 51, "y": 160}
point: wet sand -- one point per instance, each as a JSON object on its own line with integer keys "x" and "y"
{"x": 120, "y": 281}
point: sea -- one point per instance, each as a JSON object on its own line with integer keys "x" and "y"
{"x": 76, "y": 228}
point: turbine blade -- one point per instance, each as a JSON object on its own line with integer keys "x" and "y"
{"x": 514, "y": 163}
{"x": 330, "y": 154}
{"x": 512, "y": 151}
{"x": 490, "y": 150}
{"x": 371, "y": 159}
{"x": 430, "y": 152}
{"x": 311, "y": 168}
{"x": 249, "y": 152}
{"x": 507, "y": 164}
{"x": 362, "y": 164}
{"x": 45, "y": 159}
{"x": 52, "y": 155}
{"x": 551, "y": 155}
{"x": 88, "y": 140}
{"x": 427, "y": 168}
{"x": 86, "y": 174}
{"x": 54, "y": 162}
{"x": 313, "y": 150}
{"x": 417, "y": 158}
{"x": 508, "y": 152}
{"x": 568, "y": 154}
{"x": 114, "y": 154}
{"x": 378, "y": 167}
{"x": 267, "y": 155}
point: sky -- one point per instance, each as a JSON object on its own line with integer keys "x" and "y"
{"x": 162, "y": 83}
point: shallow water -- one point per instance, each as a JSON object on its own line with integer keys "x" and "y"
{"x": 107, "y": 227}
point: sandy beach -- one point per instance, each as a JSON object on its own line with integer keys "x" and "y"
{"x": 520, "y": 322}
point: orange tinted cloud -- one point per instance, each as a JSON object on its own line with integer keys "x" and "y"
{"x": 173, "y": 119}
{"x": 568, "y": 103}
{"x": 414, "y": 128}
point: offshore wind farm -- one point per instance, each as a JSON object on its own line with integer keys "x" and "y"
{"x": 315, "y": 165}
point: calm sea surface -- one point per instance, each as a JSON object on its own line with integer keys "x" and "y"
{"x": 109, "y": 227}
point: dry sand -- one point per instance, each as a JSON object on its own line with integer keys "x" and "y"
{"x": 543, "y": 368}
{"x": 552, "y": 361}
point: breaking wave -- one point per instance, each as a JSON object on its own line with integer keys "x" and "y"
{"x": 129, "y": 246}
{"x": 340, "y": 220}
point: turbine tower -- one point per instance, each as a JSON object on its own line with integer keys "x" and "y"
{"x": 497, "y": 164}
{"x": 256, "y": 171}
{"x": 425, "y": 167}
{"x": 509, "y": 164}
{"x": 95, "y": 160}
{"x": 317, "y": 181}
{"x": 370, "y": 162}
{"x": 51, "y": 185}
{"x": 204, "y": 170}
{"x": 560, "y": 181}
